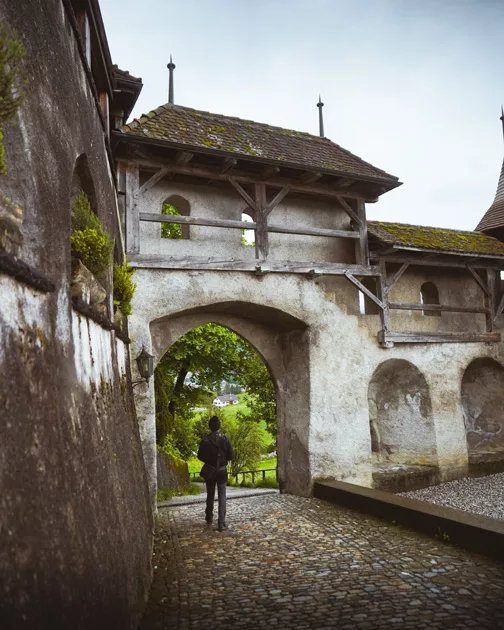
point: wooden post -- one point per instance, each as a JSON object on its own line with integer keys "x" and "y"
{"x": 382, "y": 291}
{"x": 261, "y": 220}
{"x": 362, "y": 250}
{"x": 490, "y": 300}
{"x": 132, "y": 211}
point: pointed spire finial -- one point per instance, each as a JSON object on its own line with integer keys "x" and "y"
{"x": 171, "y": 67}
{"x": 502, "y": 119}
{"x": 321, "y": 118}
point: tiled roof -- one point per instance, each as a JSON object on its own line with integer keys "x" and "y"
{"x": 124, "y": 74}
{"x": 194, "y": 128}
{"x": 430, "y": 238}
{"x": 494, "y": 216}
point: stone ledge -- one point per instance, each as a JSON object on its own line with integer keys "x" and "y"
{"x": 100, "y": 318}
{"x": 12, "y": 266}
{"x": 475, "y": 533}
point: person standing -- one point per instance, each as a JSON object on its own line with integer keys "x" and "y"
{"x": 215, "y": 451}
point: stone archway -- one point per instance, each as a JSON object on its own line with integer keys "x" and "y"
{"x": 400, "y": 414}
{"x": 282, "y": 342}
{"x": 483, "y": 404}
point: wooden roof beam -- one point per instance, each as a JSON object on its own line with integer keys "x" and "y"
{"x": 227, "y": 164}
{"x": 183, "y": 157}
{"x": 309, "y": 177}
{"x": 269, "y": 172}
{"x": 344, "y": 182}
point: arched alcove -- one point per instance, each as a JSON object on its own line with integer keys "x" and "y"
{"x": 483, "y": 405}
{"x": 429, "y": 294}
{"x": 400, "y": 414}
{"x": 178, "y": 206}
{"x": 83, "y": 180}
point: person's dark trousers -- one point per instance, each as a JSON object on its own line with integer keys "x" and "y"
{"x": 220, "y": 482}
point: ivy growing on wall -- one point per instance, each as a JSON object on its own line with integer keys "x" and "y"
{"x": 12, "y": 88}
{"x": 90, "y": 242}
{"x": 124, "y": 287}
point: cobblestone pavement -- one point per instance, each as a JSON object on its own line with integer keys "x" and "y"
{"x": 289, "y": 562}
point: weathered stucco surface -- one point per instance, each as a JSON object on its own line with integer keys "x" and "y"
{"x": 75, "y": 519}
{"x": 322, "y": 387}
{"x": 483, "y": 404}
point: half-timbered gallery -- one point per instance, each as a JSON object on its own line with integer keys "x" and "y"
{"x": 383, "y": 339}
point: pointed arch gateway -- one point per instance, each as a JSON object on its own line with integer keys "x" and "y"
{"x": 281, "y": 341}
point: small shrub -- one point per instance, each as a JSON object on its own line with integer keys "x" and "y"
{"x": 124, "y": 287}
{"x": 268, "y": 482}
{"x": 170, "y": 230}
{"x": 164, "y": 494}
{"x": 90, "y": 242}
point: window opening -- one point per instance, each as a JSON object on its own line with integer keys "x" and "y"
{"x": 248, "y": 236}
{"x": 429, "y": 295}
{"x": 178, "y": 207}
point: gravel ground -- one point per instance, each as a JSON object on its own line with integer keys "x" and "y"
{"x": 478, "y": 495}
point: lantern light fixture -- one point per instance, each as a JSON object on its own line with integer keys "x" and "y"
{"x": 145, "y": 364}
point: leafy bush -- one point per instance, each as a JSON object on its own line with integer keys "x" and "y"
{"x": 170, "y": 230}
{"x": 124, "y": 287}
{"x": 90, "y": 242}
{"x": 12, "y": 90}
{"x": 248, "y": 438}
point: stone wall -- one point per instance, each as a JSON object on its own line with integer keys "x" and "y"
{"x": 172, "y": 473}
{"x": 75, "y": 520}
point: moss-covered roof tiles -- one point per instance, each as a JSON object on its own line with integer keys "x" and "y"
{"x": 431, "y": 238}
{"x": 194, "y": 128}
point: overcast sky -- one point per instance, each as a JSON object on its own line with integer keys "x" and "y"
{"x": 412, "y": 86}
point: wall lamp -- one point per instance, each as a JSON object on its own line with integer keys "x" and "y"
{"x": 145, "y": 364}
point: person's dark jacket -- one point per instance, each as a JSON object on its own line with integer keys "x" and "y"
{"x": 215, "y": 450}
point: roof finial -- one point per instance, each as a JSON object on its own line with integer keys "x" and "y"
{"x": 502, "y": 119}
{"x": 320, "y": 117}
{"x": 171, "y": 67}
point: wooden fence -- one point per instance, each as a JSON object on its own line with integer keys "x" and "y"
{"x": 243, "y": 473}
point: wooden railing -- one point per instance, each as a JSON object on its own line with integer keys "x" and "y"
{"x": 196, "y": 475}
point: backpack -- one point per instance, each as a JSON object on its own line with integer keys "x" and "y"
{"x": 211, "y": 450}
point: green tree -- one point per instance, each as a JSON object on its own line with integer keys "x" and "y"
{"x": 261, "y": 397}
{"x": 198, "y": 362}
{"x": 170, "y": 230}
{"x": 249, "y": 440}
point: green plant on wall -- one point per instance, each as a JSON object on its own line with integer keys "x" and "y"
{"x": 90, "y": 242}
{"x": 124, "y": 287}
{"x": 170, "y": 230}
{"x": 12, "y": 88}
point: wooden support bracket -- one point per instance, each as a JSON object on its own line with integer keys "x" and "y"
{"x": 364, "y": 289}
{"x": 397, "y": 276}
{"x": 277, "y": 199}
{"x": 244, "y": 195}
{"x": 480, "y": 282}
{"x": 153, "y": 180}
{"x": 500, "y": 308}
{"x": 355, "y": 218}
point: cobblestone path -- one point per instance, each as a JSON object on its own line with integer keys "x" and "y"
{"x": 289, "y": 562}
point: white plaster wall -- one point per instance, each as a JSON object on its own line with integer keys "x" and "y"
{"x": 213, "y": 203}
{"x": 343, "y": 355}
{"x": 455, "y": 287}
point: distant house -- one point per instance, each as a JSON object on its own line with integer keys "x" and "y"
{"x": 225, "y": 400}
